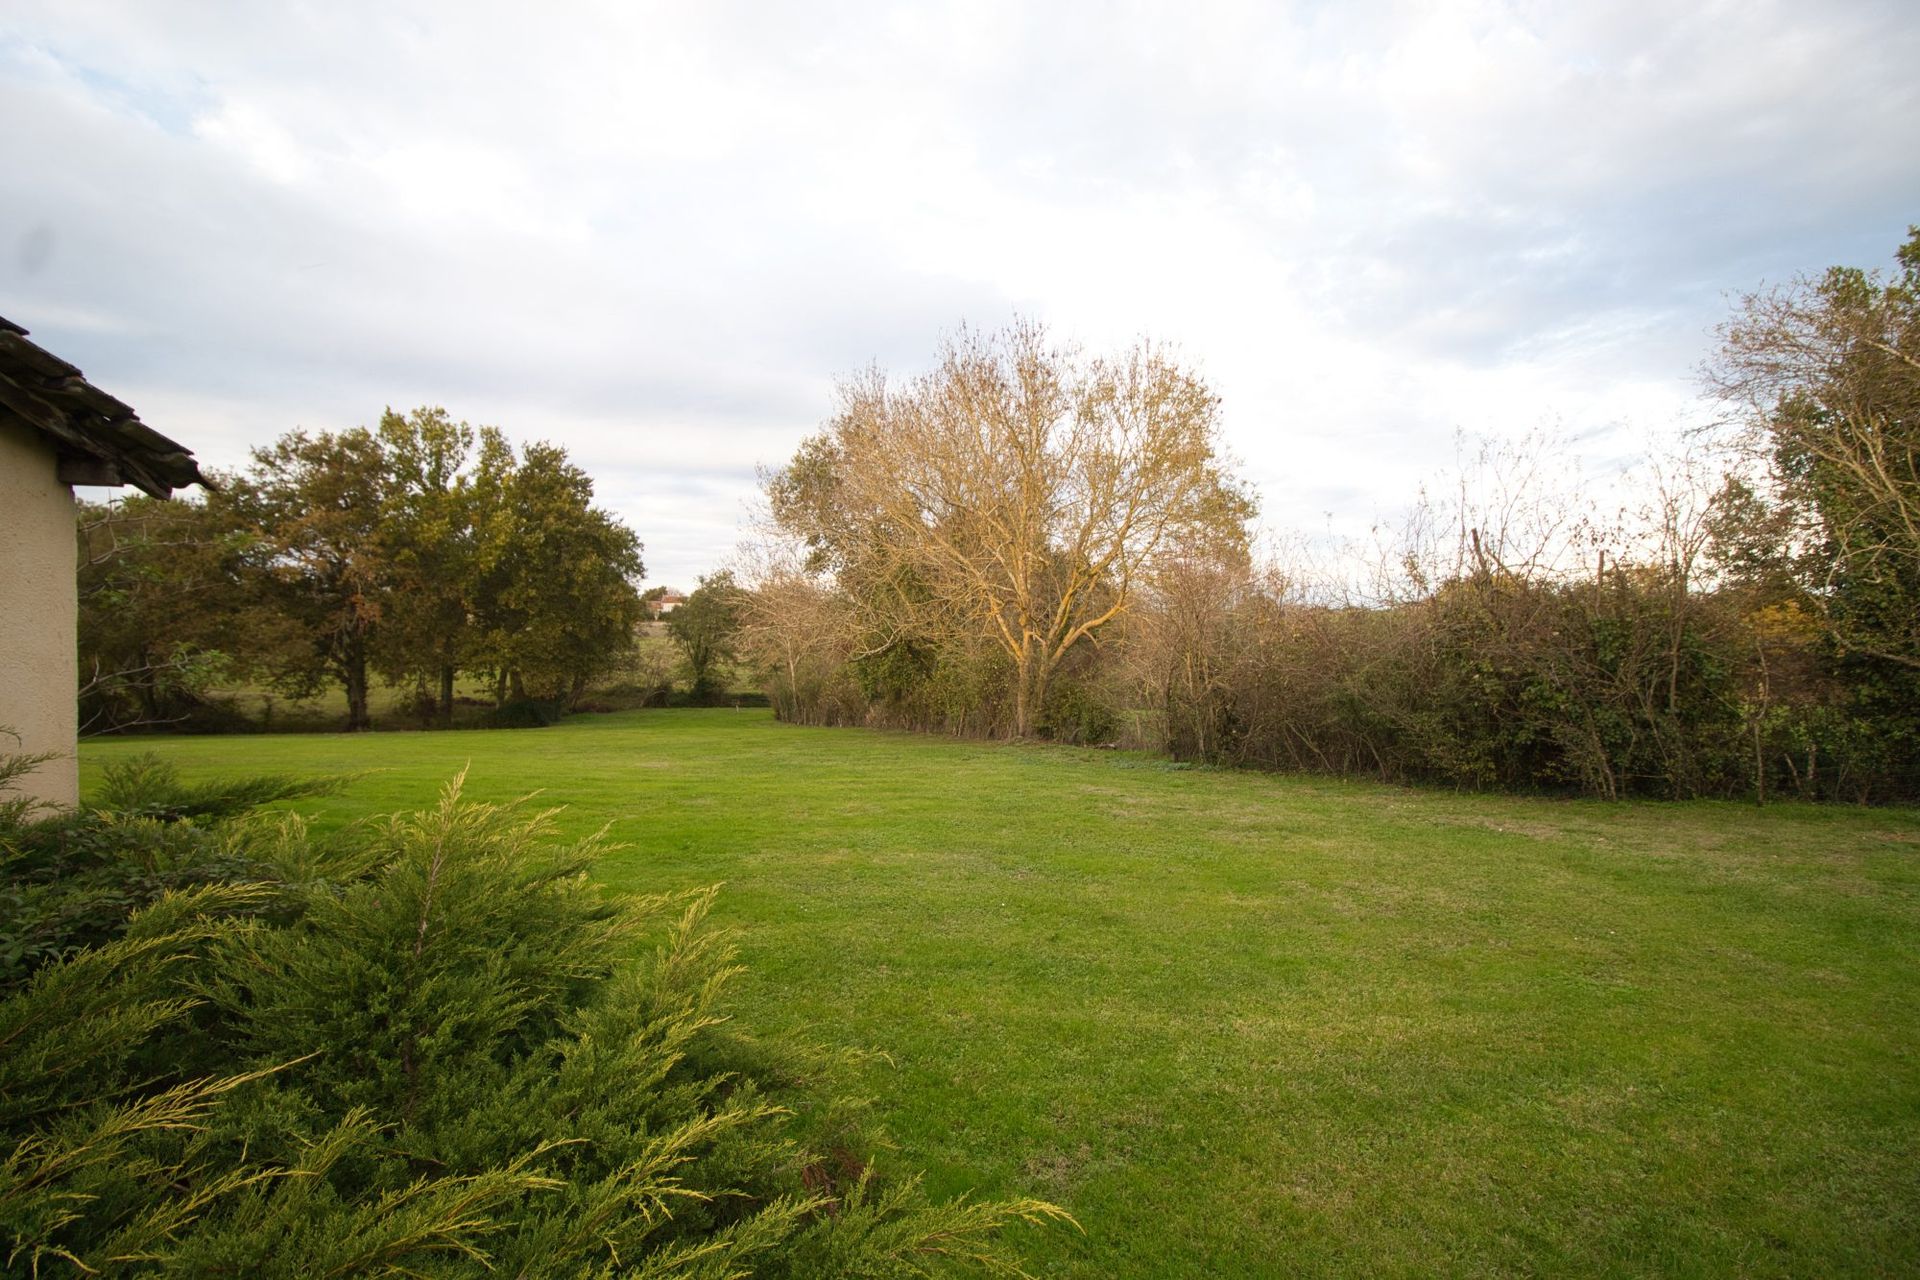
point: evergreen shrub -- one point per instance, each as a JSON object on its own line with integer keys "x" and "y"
{"x": 426, "y": 1047}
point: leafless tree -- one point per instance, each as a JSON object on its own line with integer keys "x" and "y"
{"x": 1019, "y": 490}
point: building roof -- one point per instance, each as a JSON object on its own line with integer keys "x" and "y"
{"x": 98, "y": 439}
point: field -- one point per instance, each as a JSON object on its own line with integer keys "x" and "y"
{"x": 1245, "y": 1025}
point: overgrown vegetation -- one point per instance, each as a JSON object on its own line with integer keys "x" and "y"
{"x": 422, "y": 1046}
{"x": 1027, "y": 540}
{"x": 1745, "y": 628}
{"x": 74, "y": 879}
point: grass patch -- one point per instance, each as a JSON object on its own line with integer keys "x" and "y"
{"x": 1245, "y": 1025}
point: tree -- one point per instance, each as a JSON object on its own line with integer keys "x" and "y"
{"x": 1828, "y": 372}
{"x": 1018, "y": 493}
{"x": 794, "y": 630}
{"x": 706, "y": 627}
{"x": 318, "y": 503}
{"x": 427, "y": 533}
{"x": 412, "y": 552}
{"x": 553, "y": 574}
{"x": 156, "y": 611}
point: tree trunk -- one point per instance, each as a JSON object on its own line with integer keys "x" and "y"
{"x": 1022, "y": 684}
{"x": 149, "y": 694}
{"x": 446, "y": 695}
{"x": 1037, "y": 703}
{"x": 514, "y": 683}
{"x": 500, "y": 687}
{"x": 355, "y": 678}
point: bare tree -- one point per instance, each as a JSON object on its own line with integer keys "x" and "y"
{"x": 794, "y": 629}
{"x": 1019, "y": 490}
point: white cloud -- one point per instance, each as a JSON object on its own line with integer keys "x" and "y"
{"x": 657, "y": 233}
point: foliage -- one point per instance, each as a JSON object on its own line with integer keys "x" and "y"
{"x": 165, "y": 614}
{"x": 554, "y": 599}
{"x": 415, "y": 552}
{"x": 427, "y": 535}
{"x": 446, "y": 1053}
{"x": 522, "y": 713}
{"x": 317, "y": 503}
{"x": 73, "y": 880}
{"x": 1077, "y": 712}
{"x": 706, "y": 627}
{"x": 1827, "y": 371}
{"x": 1737, "y": 632}
{"x": 1520, "y": 643}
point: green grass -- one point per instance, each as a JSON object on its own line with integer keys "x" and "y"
{"x": 1245, "y": 1025}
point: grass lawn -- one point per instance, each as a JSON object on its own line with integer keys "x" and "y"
{"x": 1245, "y": 1025}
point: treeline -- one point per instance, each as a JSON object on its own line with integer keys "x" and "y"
{"x": 414, "y": 553}
{"x": 1025, "y": 541}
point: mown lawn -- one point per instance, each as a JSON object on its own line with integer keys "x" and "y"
{"x": 1244, "y": 1025}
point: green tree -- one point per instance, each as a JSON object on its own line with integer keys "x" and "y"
{"x": 428, "y": 538}
{"x": 162, "y": 609}
{"x": 318, "y": 504}
{"x": 1829, "y": 371}
{"x": 554, "y": 575}
{"x": 706, "y": 628}
{"x": 411, "y": 552}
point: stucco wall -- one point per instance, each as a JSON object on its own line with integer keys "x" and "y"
{"x": 37, "y": 642}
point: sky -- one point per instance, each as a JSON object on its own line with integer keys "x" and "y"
{"x": 658, "y": 234}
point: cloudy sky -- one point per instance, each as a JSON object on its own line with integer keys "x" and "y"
{"x": 656, "y": 234}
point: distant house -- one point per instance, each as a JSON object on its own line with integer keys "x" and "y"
{"x": 667, "y": 601}
{"x": 57, "y": 430}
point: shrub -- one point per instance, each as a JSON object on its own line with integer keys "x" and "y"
{"x": 74, "y": 880}
{"x": 1075, "y": 712}
{"x": 429, "y": 1047}
{"x": 522, "y": 713}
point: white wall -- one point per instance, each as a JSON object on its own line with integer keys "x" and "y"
{"x": 37, "y": 613}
